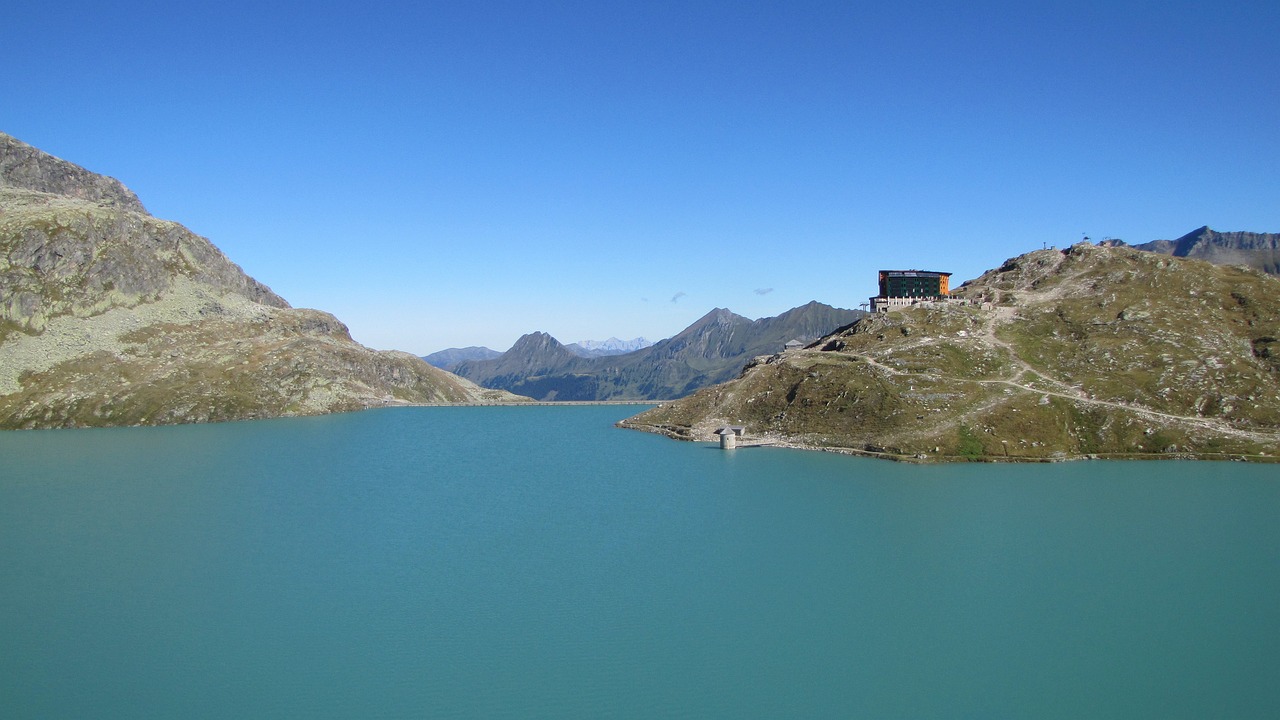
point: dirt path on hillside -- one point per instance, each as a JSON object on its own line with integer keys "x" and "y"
{"x": 1057, "y": 388}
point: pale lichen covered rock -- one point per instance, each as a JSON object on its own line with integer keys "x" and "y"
{"x": 109, "y": 316}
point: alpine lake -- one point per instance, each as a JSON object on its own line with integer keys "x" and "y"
{"x": 537, "y": 562}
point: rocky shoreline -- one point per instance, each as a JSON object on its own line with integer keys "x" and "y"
{"x": 1087, "y": 353}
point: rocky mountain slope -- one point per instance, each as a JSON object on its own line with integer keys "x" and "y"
{"x": 1256, "y": 250}
{"x": 1091, "y": 351}
{"x": 713, "y": 349}
{"x": 109, "y": 316}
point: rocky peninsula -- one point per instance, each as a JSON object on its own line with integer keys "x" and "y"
{"x": 1088, "y": 352}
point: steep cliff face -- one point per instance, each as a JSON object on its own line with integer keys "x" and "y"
{"x": 110, "y": 316}
{"x": 1089, "y": 351}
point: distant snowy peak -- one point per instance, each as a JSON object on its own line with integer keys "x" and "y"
{"x": 612, "y": 346}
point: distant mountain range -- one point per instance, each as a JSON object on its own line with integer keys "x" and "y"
{"x": 1260, "y": 251}
{"x": 612, "y": 346}
{"x": 446, "y": 359}
{"x": 452, "y": 357}
{"x": 712, "y": 350}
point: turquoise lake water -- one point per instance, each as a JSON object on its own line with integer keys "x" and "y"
{"x": 539, "y": 563}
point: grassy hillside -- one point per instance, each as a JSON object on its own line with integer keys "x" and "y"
{"x": 109, "y": 316}
{"x": 1057, "y": 354}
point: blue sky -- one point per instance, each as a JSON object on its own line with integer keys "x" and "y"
{"x": 449, "y": 174}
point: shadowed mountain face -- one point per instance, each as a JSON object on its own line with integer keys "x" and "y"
{"x": 713, "y": 349}
{"x": 109, "y": 316}
{"x": 1256, "y": 250}
{"x": 1091, "y": 351}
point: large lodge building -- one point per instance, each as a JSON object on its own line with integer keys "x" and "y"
{"x": 900, "y": 288}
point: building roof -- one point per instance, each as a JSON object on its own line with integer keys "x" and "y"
{"x": 915, "y": 273}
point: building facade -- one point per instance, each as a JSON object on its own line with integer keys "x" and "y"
{"x": 901, "y": 288}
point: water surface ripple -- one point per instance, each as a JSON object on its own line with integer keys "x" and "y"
{"x": 539, "y": 563}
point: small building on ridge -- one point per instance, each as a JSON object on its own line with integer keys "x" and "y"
{"x": 900, "y": 288}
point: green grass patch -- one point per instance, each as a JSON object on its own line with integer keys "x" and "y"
{"x": 968, "y": 444}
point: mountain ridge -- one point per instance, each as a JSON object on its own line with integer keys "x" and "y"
{"x": 1257, "y": 250}
{"x": 1057, "y": 354}
{"x": 711, "y": 349}
{"x": 446, "y": 359}
{"x": 110, "y": 316}
{"x": 22, "y": 166}
{"x": 612, "y": 346}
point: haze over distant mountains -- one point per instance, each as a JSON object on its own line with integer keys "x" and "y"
{"x": 612, "y": 346}
{"x": 452, "y": 357}
{"x": 446, "y": 359}
{"x": 711, "y": 350}
{"x": 110, "y": 316}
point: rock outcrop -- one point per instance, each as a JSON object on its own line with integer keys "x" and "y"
{"x": 22, "y": 166}
{"x": 1091, "y": 351}
{"x": 109, "y": 316}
